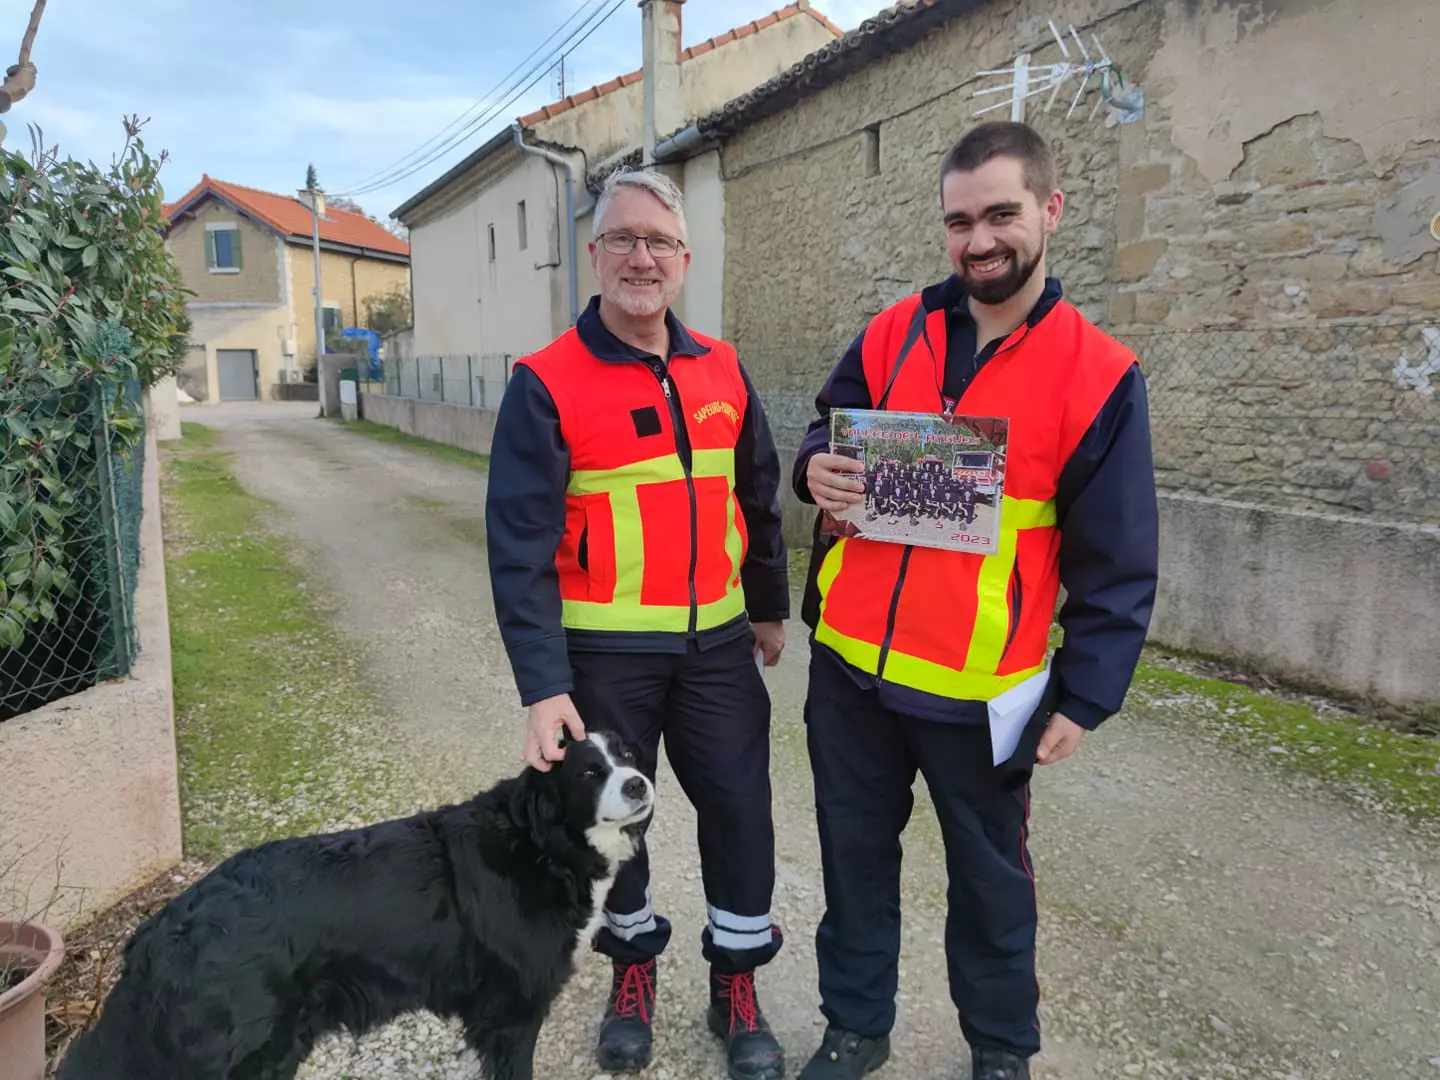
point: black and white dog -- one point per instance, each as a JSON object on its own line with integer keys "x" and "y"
{"x": 474, "y": 911}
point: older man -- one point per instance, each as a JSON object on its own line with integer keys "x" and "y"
{"x": 639, "y": 570}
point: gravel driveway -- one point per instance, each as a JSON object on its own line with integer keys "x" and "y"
{"x": 1202, "y": 915}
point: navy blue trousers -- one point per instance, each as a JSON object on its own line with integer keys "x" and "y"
{"x": 864, "y": 758}
{"x": 712, "y": 709}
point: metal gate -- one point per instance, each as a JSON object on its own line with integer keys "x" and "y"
{"x": 237, "y": 374}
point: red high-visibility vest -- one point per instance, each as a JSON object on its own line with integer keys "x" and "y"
{"x": 952, "y": 623}
{"x": 648, "y": 545}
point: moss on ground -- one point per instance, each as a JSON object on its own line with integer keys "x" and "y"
{"x": 439, "y": 451}
{"x": 1366, "y": 760}
{"x": 269, "y": 713}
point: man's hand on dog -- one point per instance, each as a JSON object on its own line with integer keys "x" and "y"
{"x": 542, "y": 734}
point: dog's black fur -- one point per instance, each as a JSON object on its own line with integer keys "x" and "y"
{"x": 472, "y": 911}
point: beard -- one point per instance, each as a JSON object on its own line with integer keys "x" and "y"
{"x": 997, "y": 290}
{"x": 637, "y": 305}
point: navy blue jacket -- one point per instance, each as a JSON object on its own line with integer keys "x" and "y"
{"x": 525, "y": 520}
{"x": 1105, "y": 507}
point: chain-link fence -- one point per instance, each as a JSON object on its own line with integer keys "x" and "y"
{"x": 1339, "y": 418}
{"x": 71, "y": 472}
{"x": 478, "y": 379}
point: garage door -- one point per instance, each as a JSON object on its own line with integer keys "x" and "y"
{"x": 237, "y": 374}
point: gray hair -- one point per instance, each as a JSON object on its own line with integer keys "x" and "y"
{"x": 651, "y": 180}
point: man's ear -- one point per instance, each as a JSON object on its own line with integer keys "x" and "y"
{"x": 1053, "y": 208}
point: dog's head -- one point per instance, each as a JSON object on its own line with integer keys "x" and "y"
{"x": 600, "y": 784}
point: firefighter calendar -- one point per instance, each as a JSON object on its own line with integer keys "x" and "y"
{"x": 930, "y": 480}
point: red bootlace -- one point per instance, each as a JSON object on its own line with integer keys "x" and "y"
{"x": 740, "y": 989}
{"x": 636, "y": 991}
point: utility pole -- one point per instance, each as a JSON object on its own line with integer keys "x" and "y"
{"x": 314, "y": 197}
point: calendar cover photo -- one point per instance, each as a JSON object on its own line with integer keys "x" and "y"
{"x": 930, "y": 480}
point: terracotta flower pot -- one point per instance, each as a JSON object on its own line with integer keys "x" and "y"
{"x": 36, "y": 950}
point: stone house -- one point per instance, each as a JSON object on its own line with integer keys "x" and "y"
{"x": 500, "y": 241}
{"x": 1256, "y": 216}
{"x": 1255, "y": 191}
{"x": 247, "y": 255}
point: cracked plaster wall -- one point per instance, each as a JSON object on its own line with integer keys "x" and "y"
{"x": 1283, "y": 176}
{"x": 1234, "y": 69}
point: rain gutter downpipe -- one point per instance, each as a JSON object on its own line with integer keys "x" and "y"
{"x": 556, "y": 159}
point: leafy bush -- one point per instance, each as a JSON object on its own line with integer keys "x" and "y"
{"x": 91, "y": 308}
{"x": 386, "y": 312}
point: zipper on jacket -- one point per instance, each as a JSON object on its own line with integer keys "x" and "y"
{"x": 1016, "y": 601}
{"x": 890, "y": 617}
{"x": 683, "y": 449}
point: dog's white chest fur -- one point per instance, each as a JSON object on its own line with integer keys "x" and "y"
{"x": 609, "y": 838}
{"x": 612, "y": 843}
{"x": 598, "y": 892}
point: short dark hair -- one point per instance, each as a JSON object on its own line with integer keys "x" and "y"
{"x": 1005, "y": 138}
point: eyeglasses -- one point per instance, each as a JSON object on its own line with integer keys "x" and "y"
{"x": 623, "y": 243}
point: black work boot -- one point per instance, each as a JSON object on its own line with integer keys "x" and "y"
{"x": 750, "y": 1047}
{"x": 625, "y": 1033}
{"x": 988, "y": 1063}
{"x": 843, "y": 1055}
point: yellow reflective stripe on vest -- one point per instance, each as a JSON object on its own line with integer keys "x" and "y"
{"x": 625, "y": 611}
{"x": 1027, "y": 513}
{"x": 992, "y": 609}
{"x": 978, "y": 680}
{"x": 830, "y": 568}
{"x": 625, "y": 615}
{"x": 857, "y": 653}
{"x": 629, "y": 546}
{"x": 656, "y": 470}
{"x": 946, "y": 682}
{"x": 714, "y": 463}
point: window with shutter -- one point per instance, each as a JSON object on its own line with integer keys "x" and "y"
{"x": 222, "y": 248}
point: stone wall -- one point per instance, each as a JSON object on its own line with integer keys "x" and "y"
{"x": 1261, "y": 239}
{"x": 1258, "y": 586}
{"x": 470, "y": 428}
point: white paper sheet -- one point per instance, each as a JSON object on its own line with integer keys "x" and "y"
{"x": 1011, "y": 710}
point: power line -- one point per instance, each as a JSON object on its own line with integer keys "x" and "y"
{"x": 537, "y": 71}
{"x": 496, "y": 89}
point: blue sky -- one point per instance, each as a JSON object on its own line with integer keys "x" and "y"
{"x": 251, "y": 91}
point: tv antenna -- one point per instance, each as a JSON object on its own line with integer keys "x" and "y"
{"x": 1026, "y": 80}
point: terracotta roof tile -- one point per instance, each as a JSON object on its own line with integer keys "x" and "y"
{"x": 890, "y": 30}
{"x": 290, "y": 217}
{"x": 554, "y": 109}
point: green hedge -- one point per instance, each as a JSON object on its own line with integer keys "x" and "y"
{"x": 92, "y": 310}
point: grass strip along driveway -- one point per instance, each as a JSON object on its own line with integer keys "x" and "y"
{"x": 276, "y": 735}
{"x": 383, "y": 433}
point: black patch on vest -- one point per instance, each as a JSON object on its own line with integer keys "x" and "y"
{"x": 647, "y": 421}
